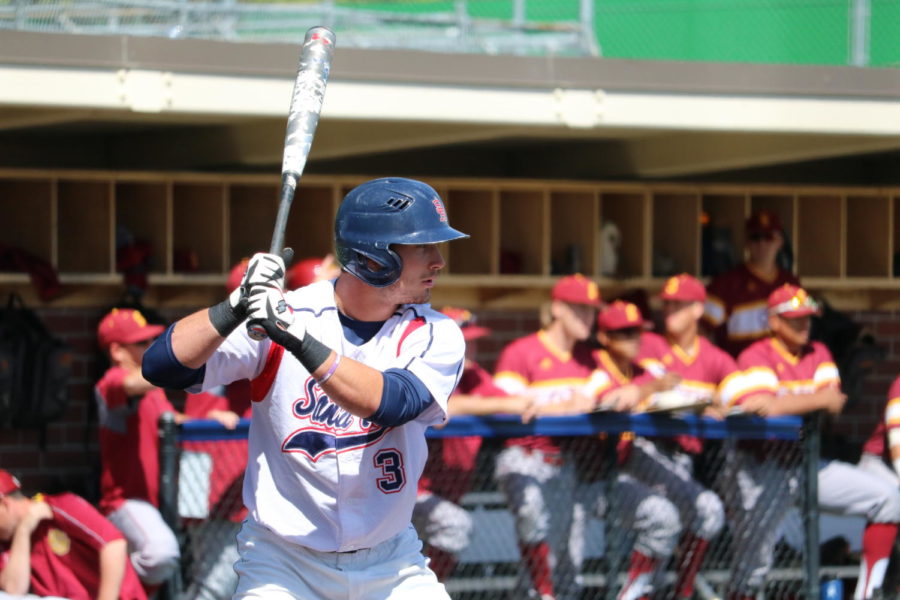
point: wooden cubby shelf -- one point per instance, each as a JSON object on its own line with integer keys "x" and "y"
{"x": 523, "y": 233}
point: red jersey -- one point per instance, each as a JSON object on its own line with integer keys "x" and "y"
{"x": 451, "y": 461}
{"x": 533, "y": 366}
{"x": 876, "y": 443}
{"x": 65, "y": 552}
{"x": 706, "y": 371}
{"x": 770, "y": 367}
{"x": 737, "y": 306}
{"x": 229, "y": 459}
{"x": 129, "y": 441}
{"x": 607, "y": 377}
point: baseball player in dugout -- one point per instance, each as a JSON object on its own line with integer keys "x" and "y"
{"x": 793, "y": 376}
{"x": 346, "y": 377}
{"x": 883, "y": 446}
{"x": 443, "y": 525}
{"x": 708, "y": 377}
{"x": 736, "y": 300}
{"x": 60, "y": 546}
{"x": 129, "y": 408}
{"x": 622, "y": 384}
{"x": 536, "y": 473}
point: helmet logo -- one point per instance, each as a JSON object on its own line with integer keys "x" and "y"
{"x": 439, "y": 207}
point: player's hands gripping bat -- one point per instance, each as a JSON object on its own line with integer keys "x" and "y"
{"x": 306, "y": 104}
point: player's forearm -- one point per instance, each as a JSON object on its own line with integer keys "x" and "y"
{"x": 353, "y": 386}
{"x": 194, "y": 339}
{"x": 113, "y": 557}
{"x": 795, "y": 404}
{"x": 15, "y": 578}
{"x": 134, "y": 384}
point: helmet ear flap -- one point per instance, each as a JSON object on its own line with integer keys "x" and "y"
{"x": 358, "y": 263}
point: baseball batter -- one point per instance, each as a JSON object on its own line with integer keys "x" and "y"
{"x": 352, "y": 373}
{"x": 707, "y": 374}
{"x": 793, "y": 376}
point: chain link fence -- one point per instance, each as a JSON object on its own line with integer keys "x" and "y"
{"x": 475, "y": 26}
{"x": 834, "y": 32}
{"x": 740, "y": 514}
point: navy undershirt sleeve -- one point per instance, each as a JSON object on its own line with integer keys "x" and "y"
{"x": 403, "y": 398}
{"x": 162, "y": 369}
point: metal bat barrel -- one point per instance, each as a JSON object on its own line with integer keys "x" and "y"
{"x": 306, "y": 104}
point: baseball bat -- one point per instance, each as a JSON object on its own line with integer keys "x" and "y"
{"x": 303, "y": 117}
{"x": 306, "y": 104}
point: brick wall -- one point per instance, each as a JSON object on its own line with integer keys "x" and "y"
{"x": 69, "y": 458}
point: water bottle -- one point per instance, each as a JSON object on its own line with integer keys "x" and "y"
{"x": 833, "y": 589}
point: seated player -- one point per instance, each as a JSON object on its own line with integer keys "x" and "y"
{"x": 59, "y": 545}
{"x": 793, "y": 376}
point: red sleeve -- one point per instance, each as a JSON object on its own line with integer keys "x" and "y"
{"x": 751, "y": 357}
{"x": 894, "y": 392}
{"x": 652, "y": 346}
{"x": 478, "y": 382}
{"x": 199, "y": 405}
{"x": 512, "y": 359}
{"x": 724, "y": 363}
{"x": 111, "y": 387}
{"x": 79, "y": 519}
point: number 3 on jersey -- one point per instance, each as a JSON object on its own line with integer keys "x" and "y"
{"x": 390, "y": 461}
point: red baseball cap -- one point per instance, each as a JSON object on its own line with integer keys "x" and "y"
{"x": 763, "y": 221}
{"x": 576, "y": 289}
{"x": 621, "y": 315}
{"x": 303, "y": 273}
{"x": 8, "y": 483}
{"x": 125, "y": 326}
{"x": 466, "y": 321}
{"x": 791, "y": 301}
{"x": 683, "y": 287}
{"x": 236, "y": 276}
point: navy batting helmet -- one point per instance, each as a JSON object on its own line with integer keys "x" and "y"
{"x": 387, "y": 211}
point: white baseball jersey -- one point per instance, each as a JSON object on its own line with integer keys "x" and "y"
{"x": 317, "y": 475}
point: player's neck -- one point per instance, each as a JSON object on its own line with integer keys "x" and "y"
{"x": 684, "y": 339}
{"x": 558, "y": 336}
{"x": 767, "y": 271}
{"x": 360, "y": 301}
{"x": 793, "y": 349}
{"x": 623, "y": 364}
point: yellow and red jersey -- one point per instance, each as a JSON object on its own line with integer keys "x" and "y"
{"x": 737, "y": 306}
{"x": 770, "y": 367}
{"x": 707, "y": 372}
{"x": 533, "y": 366}
{"x": 876, "y": 443}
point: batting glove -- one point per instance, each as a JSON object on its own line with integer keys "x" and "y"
{"x": 271, "y": 315}
{"x": 269, "y": 310}
{"x": 231, "y": 312}
{"x": 264, "y": 269}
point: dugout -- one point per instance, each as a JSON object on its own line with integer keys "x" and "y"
{"x": 178, "y": 142}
